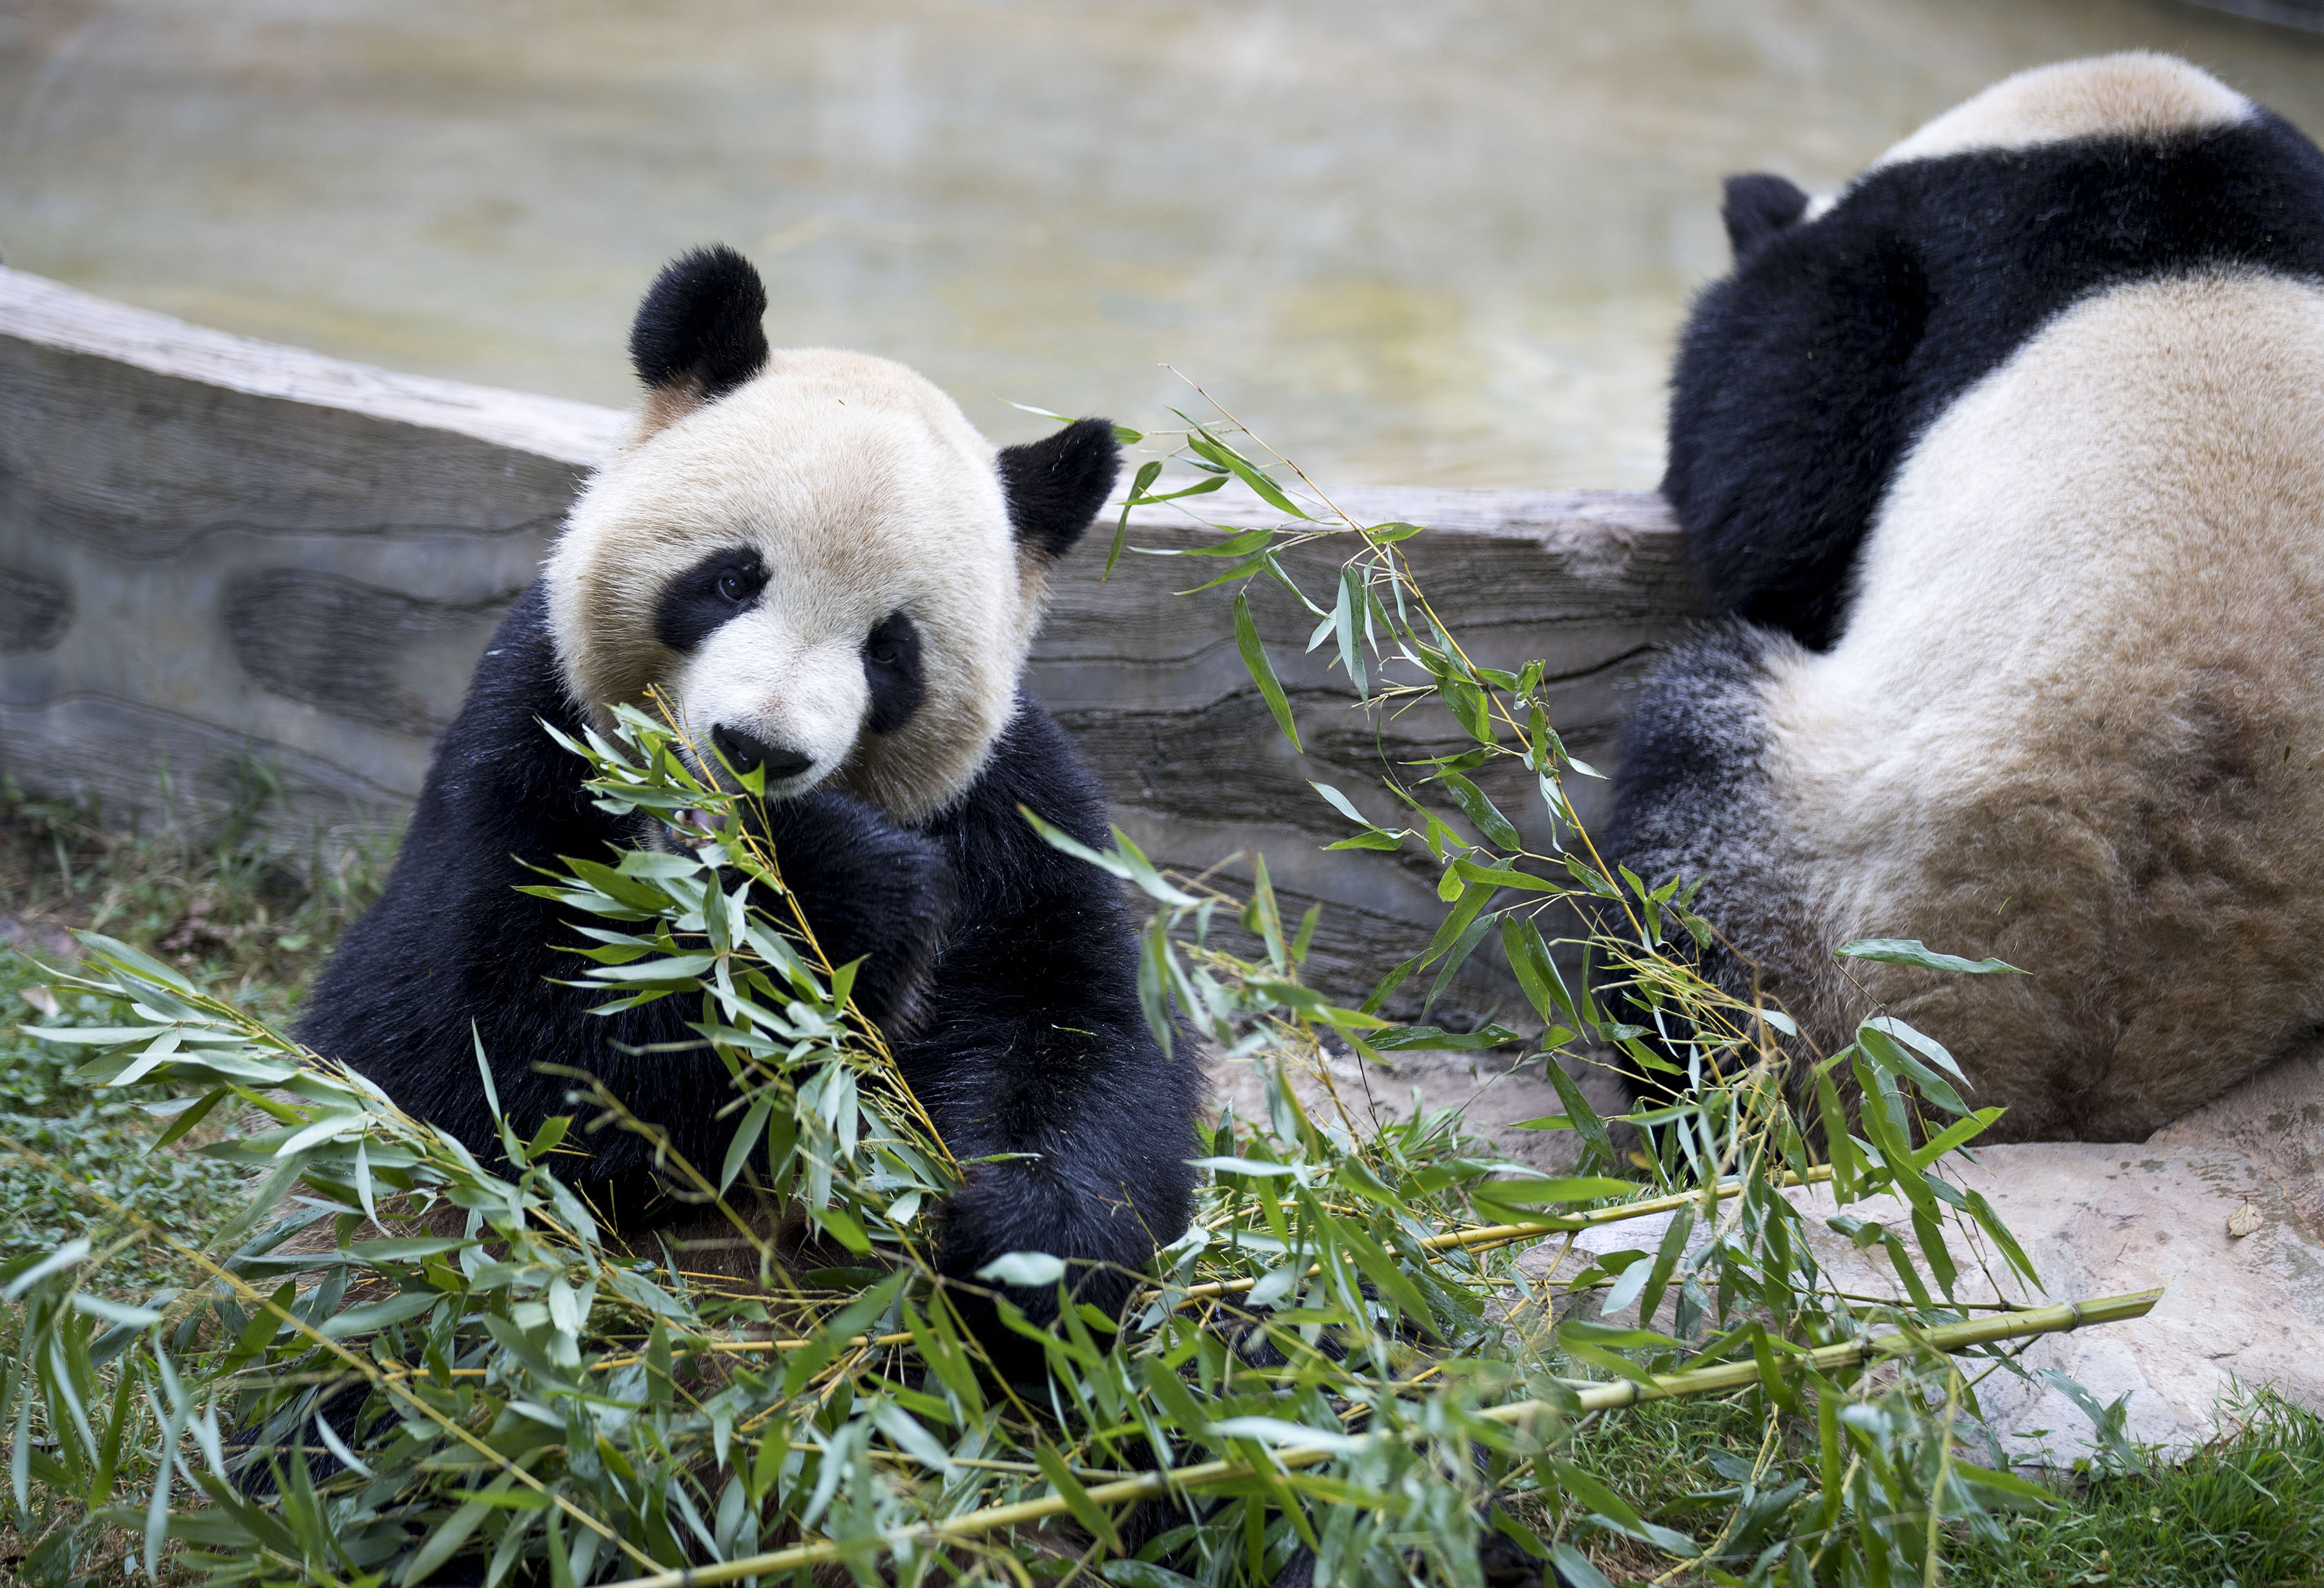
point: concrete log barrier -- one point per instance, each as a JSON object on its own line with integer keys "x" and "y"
{"x": 218, "y": 555}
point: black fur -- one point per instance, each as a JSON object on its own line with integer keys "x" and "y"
{"x": 722, "y": 585}
{"x": 746, "y": 752}
{"x": 892, "y": 664}
{"x": 699, "y": 326}
{"x": 1057, "y": 485}
{"x": 1004, "y": 972}
{"x": 1690, "y": 778}
{"x": 1695, "y": 730}
{"x": 1756, "y": 207}
{"x": 1804, "y": 376}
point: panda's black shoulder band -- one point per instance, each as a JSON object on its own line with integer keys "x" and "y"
{"x": 1057, "y": 485}
{"x": 699, "y": 324}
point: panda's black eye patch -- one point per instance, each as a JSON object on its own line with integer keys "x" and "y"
{"x": 706, "y": 594}
{"x": 892, "y": 666}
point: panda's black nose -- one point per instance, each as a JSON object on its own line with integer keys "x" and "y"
{"x": 744, "y": 751}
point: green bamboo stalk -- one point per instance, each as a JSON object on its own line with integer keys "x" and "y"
{"x": 1472, "y": 1240}
{"x": 1593, "y": 1397}
{"x": 1487, "y": 1235}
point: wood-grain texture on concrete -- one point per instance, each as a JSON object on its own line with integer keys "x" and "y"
{"x": 215, "y": 552}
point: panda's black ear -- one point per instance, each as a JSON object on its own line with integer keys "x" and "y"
{"x": 1757, "y": 206}
{"x": 1057, "y": 485}
{"x": 698, "y": 334}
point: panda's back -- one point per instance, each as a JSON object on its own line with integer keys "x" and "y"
{"x": 2143, "y": 482}
{"x": 2077, "y": 716}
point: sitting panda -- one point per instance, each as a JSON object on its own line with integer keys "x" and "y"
{"x": 835, "y": 579}
{"x": 2008, "y": 464}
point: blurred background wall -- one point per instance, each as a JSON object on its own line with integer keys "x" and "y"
{"x": 1425, "y": 249}
{"x": 1441, "y": 243}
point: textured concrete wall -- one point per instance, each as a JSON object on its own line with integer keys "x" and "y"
{"x": 214, "y": 550}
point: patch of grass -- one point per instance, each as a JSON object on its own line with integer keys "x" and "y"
{"x": 1667, "y": 1457}
{"x": 233, "y": 905}
{"x": 103, "y": 1136}
{"x": 2247, "y": 1510}
{"x": 236, "y": 905}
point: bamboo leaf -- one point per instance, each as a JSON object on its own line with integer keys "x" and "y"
{"x": 1262, "y": 672}
{"x": 34, "y": 1266}
{"x": 1207, "y": 447}
{"x": 1147, "y": 472}
{"x": 440, "y": 1543}
{"x": 1031, "y": 1271}
{"x": 1480, "y": 809}
{"x": 1910, "y": 951}
{"x": 1086, "y": 1511}
{"x": 373, "y": 1316}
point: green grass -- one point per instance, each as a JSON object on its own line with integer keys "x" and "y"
{"x": 242, "y": 910}
{"x": 2247, "y": 1510}
{"x": 251, "y": 917}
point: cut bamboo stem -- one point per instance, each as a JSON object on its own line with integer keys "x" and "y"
{"x": 1502, "y": 1235}
{"x": 1485, "y": 1235}
{"x": 1591, "y": 1397}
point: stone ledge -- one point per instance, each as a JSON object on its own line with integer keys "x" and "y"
{"x": 215, "y": 549}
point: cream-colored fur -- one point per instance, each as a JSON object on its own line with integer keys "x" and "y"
{"x": 2134, "y": 95}
{"x": 866, "y": 491}
{"x": 2077, "y": 717}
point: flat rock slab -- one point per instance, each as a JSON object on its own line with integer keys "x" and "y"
{"x": 2276, "y": 1118}
{"x": 2238, "y": 1311}
{"x": 1493, "y": 1091}
{"x": 2101, "y": 1219}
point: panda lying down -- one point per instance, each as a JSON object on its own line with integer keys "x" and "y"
{"x": 2009, "y": 464}
{"x": 835, "y": 579}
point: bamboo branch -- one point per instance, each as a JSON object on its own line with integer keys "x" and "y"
{"x": 1483, "y": 1236}
{"x": 1490, "y": 1235}
{"x": 1591, "y": 1397}
{"x": 1458, "y": 1239}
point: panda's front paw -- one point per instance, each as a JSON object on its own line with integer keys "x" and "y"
{"x": 1012, "y": 1206}
{"x": 869, "y": 889}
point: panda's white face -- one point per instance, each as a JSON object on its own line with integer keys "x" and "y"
{"x": 773, "y": 675}
{"x": 817, "y": 570}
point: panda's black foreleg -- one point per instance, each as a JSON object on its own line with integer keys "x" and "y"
{"x": 1074, "y": 1126}
{"x": 871, "y": 890}
{"x": 1075, "y": 1140}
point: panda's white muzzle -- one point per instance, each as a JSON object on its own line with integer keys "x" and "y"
{"x": 761, "y": 696}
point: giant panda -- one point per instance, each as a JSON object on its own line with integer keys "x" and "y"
{"x": 2007, "y": 463}
{"x": 835, "y": 579}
